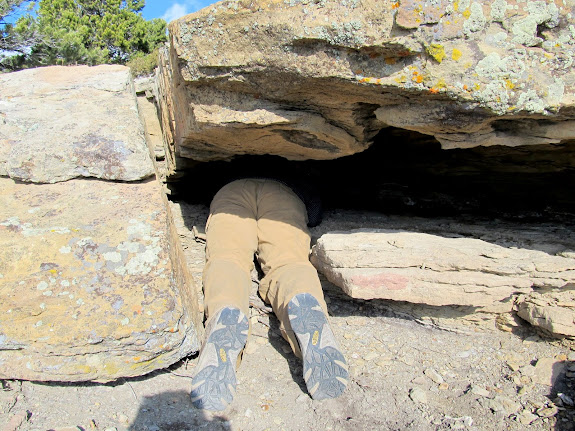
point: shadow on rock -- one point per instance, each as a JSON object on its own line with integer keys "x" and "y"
{"x": 173, "y": 411}
{"x": 563, "y": 395}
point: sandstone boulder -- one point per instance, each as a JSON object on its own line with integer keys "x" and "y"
{"x": 438, "y": 269}
{"x": 88, "y": 288}
{"x": 319, "y": 79}
{"x": 93, "y": 285}
{"x": 59, "y": 123}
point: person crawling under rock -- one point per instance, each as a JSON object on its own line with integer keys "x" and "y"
{"x": 267, "y": 217}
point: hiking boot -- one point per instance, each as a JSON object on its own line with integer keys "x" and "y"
{"x": 214, "y": 384}
{"x": 324, "y": 367}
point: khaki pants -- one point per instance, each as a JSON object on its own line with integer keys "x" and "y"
{"x": 265, "y": 218}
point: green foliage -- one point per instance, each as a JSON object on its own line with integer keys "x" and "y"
{"x": 88, "y": 32}
{"x": 144, "y": 64}
{"x": 8, "y": 7}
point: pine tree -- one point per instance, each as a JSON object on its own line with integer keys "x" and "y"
{"x": 89, "y": 32}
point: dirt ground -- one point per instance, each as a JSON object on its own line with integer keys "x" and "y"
{"x": 406, "y": 374}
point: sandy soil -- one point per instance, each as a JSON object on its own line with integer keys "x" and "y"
{"x": 405, "y": 375}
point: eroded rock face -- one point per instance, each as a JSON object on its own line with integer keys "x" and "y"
{"x": 318, "y": 79}
{"x": 553, "y": 311}
{"x": 59, "y": 123}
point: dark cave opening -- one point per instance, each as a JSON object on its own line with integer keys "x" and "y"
{"x": 408, "y": 173}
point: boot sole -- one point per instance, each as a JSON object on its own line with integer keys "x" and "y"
{"x": 214, "y": 385}
{"x": 324, "y": 367}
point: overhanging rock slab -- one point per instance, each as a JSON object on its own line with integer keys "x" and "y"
{"x": 91, "y": 287}
{"x": 319, "y": 79}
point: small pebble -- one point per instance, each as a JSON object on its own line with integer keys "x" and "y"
{"x": 418, "y": 395}
{"x": 478, "y": 390}
{"x": 433, "y": 375}
{"x": 526, "y": 417}
{"x": 503, "y": 404}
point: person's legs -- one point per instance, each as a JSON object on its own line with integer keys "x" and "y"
{"x": 231, "y": 243}
{"x": 292, "y": 286}
{"x": 283, "y": 253}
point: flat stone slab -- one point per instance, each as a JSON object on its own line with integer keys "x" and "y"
{"x": 90, "y": 282}
{"x": 58, "y": 123}
{"x": 438, "y": 270}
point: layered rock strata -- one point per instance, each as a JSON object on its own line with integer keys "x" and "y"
{"x": 318, "y": 79}
{"x": 92, "y": 282}
{"x": 531, "y": 272}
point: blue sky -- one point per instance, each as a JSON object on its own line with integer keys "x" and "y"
{"x": 172, "y": 9}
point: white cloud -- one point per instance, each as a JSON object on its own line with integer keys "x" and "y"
{"x": 175, "y": 11}
{"x": 178, "y": 10}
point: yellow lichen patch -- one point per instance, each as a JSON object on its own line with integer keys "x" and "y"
{"x": 370, "y": 80}
{"x": 390, "y": 60}
{"x": 84, "y": 369}
{"x": 477, "y": 86}
{"x": 509, "y": 84}
{"x": 467, "y": 65}
{"x": 437, "y": 51}
{"x": 53, "y": 271}
{"x": 146, "y": 364}
{"x": 401, "y": 79}
{"x": 395, "y": 5}
{"x": 467, "y": 13}
{"x": 455, "y": 6}
{"x": 548, "y": 55}
{"x": 455, "y": 54}
{"x": 440, "y": 84}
